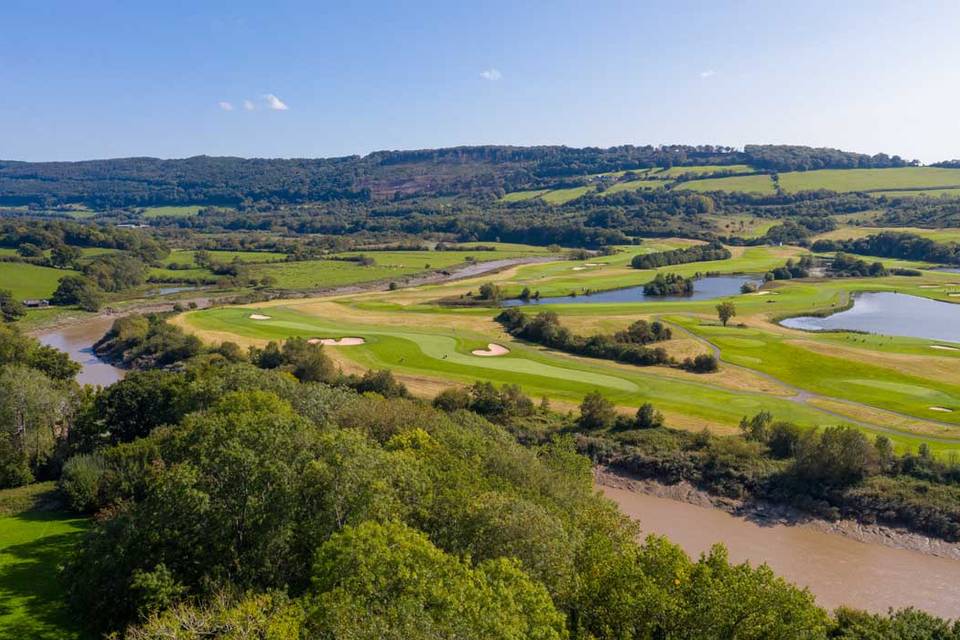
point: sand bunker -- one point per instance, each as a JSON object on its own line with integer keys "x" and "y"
{"x": 930, "y": 286}
{"x": 258, "y": 316}
{"x": 491, "y": 350}
{"x": 941, "y": 409}
{"x": 954, "y": 295}
{"x": 579, "y": 268}
{"x": 943, "y": 347}
{"x": 765, "y": 293}
{"x": 337, "y": 342}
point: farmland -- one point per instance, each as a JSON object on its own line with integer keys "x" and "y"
{"x": 30, "y": 281}
{"x": 842, "y": 180}
{"x": 759, "y": 183}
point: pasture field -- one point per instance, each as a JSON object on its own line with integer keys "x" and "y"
{"x": 34, "y": 539}
{"x": 849, "y": 233}
{"x": 561, "y": 196}
{"x": 635, "y": 185}
{"x": 30, "y": 281}
{"x": 702, "y": 170}
{"x": 880, "y": 383}
{"x": 743, "y": 226}
{"x": 171, "y": 212}
{"x": 758, "y": 183}
{"x": 186, "y": 256}
{"x": 845, "y": 180}
{"x": 917, "y": 193}
{"x": 520, "y": 196}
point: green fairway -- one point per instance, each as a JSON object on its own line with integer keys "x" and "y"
{"x": 33, "y": 543}
{"x": 30, "y": 281}
{"x": 759, "y": 183}
{"x": 844, "y": 180}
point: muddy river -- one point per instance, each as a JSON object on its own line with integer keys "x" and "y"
{"x": 837, "y": 569}
{"x": 77, "y": 341}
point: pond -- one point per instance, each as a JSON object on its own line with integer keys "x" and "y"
{"x": 703, "y": 289}
{"x": 894, "y": 314}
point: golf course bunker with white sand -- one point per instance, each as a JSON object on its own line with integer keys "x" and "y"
{"x": 337, "y": 342}
{"x": 258, "y": 316}
{"x": 491, "y": 350}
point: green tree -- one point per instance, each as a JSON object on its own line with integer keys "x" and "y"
{"x": 725, "y": 311}
{"x": 648, "y": 417}
{"x": 387, "y": 581}
{"x": 10, "y": 309}
{"x": 596, "y": 412}
{"x": 77, "y": 290}
{"x": 33, "y": 415}
{"x": 64, "y": 256}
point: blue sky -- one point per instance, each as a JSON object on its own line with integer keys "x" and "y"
{"x": 173, "y": 79}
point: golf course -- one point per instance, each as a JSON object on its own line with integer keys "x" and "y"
{"x": 905, "y": 387}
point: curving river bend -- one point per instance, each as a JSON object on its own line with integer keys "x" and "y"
{"x": 838, "y": 570}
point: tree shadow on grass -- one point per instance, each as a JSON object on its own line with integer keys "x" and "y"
{"x": 32, "y": 601}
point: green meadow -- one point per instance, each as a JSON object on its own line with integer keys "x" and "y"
{"x": 34, "y": 539}
{"x": 171, "y": 212}
{"x": 758, "y": 183}
{"x": 30, "y": 281}
{"x": 844, "y": 180}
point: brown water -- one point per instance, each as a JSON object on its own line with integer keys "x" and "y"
{"x": 77, "y": 341}
{"x": 838, "y": 570}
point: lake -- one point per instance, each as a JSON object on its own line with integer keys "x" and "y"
{"x": 77, "y": 341}
{"x": 893, "y": 314}
{"x": 705, "y": 288}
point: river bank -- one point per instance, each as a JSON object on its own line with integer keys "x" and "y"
{"x": 843, "y": 563}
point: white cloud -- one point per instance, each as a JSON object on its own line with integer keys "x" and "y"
{"x": 491, "y": 74}
{"x": 248, "y": 105}
{"x": 275, "y": 103}
{"x": 226, "y": 106}
{"x": 708, "y": 73}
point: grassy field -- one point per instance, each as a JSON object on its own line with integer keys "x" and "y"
{"x": 561, "y": 196}
{"x": 844, "y": 180}
{"x": 520, "y": 196}
{"x": 171, "y": 212}
{"x": 702, "y": 170}
{"x": 30, "y": 281}
{"x": 186, "y": 257}
{"x": 917, "y": 193}
{"x": 847, "y": 233}
{"x": 743, "y": 226}
{"x": 635, "y": 185}
{"x": 759, "y": 183}
{"x": 881, "y": 383}
{"x": 34, "y": 539}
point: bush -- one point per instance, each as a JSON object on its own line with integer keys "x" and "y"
{"x": 81, "y": 482}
